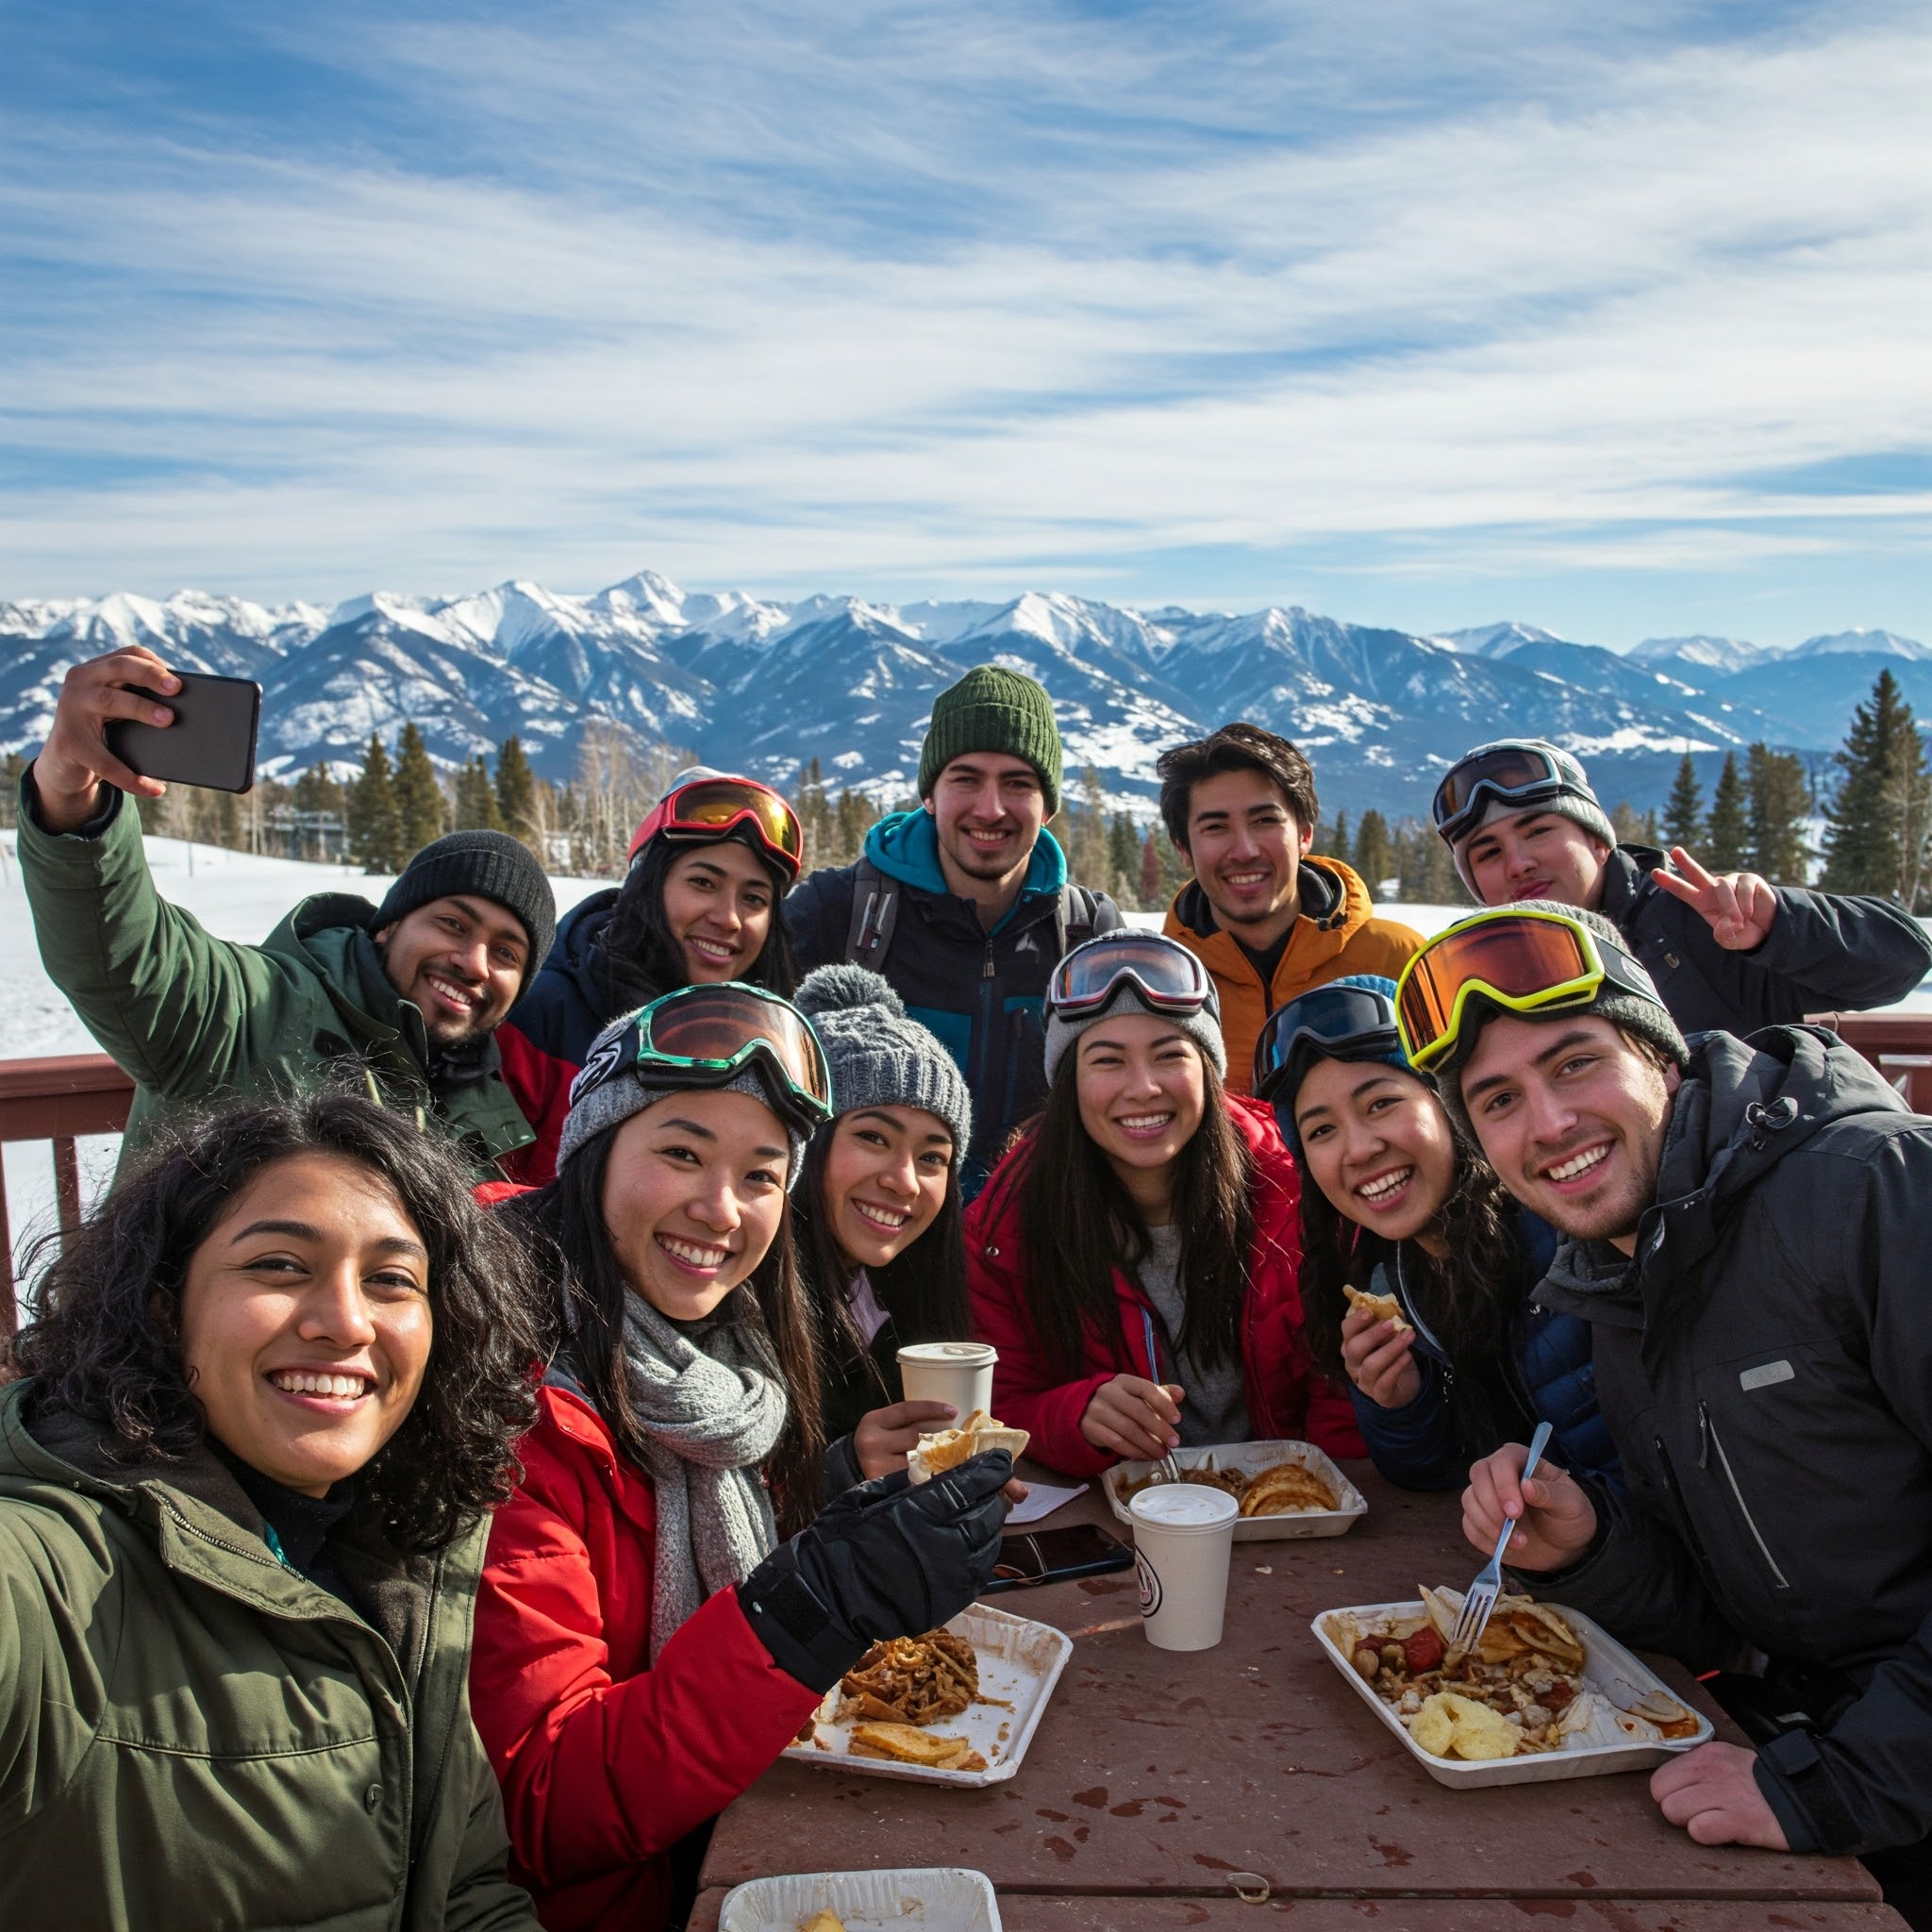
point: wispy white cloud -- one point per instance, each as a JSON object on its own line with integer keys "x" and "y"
{"x": 919, "y": 298}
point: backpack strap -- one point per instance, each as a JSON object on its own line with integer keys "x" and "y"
{"x": 874, "y": 912}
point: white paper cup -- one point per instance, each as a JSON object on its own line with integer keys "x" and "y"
{"x": 956, "y": 1372}
{"x": 1183, "y": 1538}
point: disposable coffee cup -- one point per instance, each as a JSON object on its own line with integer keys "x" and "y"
{"x": 1183, "y": 1543}
{"x": 956, "y": 1372}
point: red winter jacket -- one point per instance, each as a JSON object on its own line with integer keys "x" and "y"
{"x": 606, "y": 1761}
{"x": 1286, "y": 1398}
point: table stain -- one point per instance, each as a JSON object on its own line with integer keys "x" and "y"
{"x": 1094, "y": 1800}
{"x": 1586, "y": 1879}
{"x": 1060, "y": 1848}
{"x": 1393, "y": 1855}
{"x": 1132, "y": 1808}
{"x": 1055, "y": 1817}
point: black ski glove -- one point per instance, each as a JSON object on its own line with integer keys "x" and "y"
{"x": 885, "y": 1560}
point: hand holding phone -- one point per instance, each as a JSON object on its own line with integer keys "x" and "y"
{"x": 76, "y": 761}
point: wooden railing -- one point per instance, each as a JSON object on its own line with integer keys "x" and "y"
{"x": 54, "y": 1100}
{"x": 87, "y": 1093}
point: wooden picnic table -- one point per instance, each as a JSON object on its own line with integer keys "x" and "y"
{"x": 1155, "y": 1774}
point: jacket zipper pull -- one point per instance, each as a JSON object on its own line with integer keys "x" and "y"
{"x": 1703, "y": 1435}
{"x": 985, "y": 972}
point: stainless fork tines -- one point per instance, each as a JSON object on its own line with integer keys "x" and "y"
{"x": 1481, "y": 1600}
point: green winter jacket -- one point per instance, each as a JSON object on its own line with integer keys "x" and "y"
{"x": 192, "y": 1735}
{"x": 195, "y": 1020}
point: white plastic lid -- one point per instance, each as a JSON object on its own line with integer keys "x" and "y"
{"x": 975, "y": 1352}
{"x": 1184, "y": 1505}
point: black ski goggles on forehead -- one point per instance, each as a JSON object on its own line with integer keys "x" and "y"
{"x": 1165, "y": 977}
{"x": 1515, "y": 774}
{"x": 1337, "y": 1023}
{"x": 705, "y": 1035}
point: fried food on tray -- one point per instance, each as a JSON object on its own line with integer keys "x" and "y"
{"x": 1287, "y": 1486}
{"x": 1385, "y": 1308}
{"x": 904, "y": 1745}
{"x": 933, "y": 1455}
{"x": 1525, "y": 1676}
{"x": 912, "y": 1681}
{"x": 1279, "y": 1490}
{"x": 822, "y": 1921}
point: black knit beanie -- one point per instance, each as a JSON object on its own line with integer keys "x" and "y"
{"x": 490, "y": 865}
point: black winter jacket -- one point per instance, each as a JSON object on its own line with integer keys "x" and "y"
{"x": 1826, "y": 953}
{"x": 1765, "y": 1364}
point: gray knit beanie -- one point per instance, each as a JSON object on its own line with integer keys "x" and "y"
{"x": 1647, "y": 1018}
{"x": 1576, "y": 801}
{"x": 610, "y": 1087}
{"x": 492, "y": 865}
{"x": 1201, "y": 1027}
{"x": 879, "y": 1056}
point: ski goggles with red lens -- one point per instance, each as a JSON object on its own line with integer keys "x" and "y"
{"x": 1522, "y": 962}
{"x": 1165, "y": 977}
{"x": 705, "y": 1035}
{"x": 1337, "y": 1023}
{"x": 712, "y": 809}
{"x": 1520, "y": 773}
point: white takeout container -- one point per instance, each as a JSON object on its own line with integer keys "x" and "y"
{"x": 940, "y": 1898}
{"x": 1255, "y": 1457}
{"x": 1019, "y": 1660}
{"x": 1607, "y": 1667}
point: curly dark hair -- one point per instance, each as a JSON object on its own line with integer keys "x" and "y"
{"x": 1078, "y": 1224}
{"x": 565, "y": 1225}
{"x": 103, "y": 1344}
{"x": 637, "y": 958}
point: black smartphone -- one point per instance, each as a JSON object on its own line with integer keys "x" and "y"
{"x": 1051, "y": 1556}
{"x": 210, "y": 742}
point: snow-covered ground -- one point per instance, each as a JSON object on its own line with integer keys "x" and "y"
{"x": 241, "y": 897}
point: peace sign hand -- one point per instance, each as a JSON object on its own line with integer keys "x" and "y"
{"x": 1738, "y": 905}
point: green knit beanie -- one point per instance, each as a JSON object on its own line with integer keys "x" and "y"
{"x": 991, "y": 708}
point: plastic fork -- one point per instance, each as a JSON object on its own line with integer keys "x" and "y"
{"x": 1480, "y": 1603}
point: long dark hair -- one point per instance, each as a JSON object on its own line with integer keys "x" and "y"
{"x": 565, "y": 1223}
{"x": 922, "y": 1287}
{"x": 1467, "y": 1298}
{"x": 638, "y": 955}
{"x": 1079, "y": 1224}
{"x": 106, "y": 1343}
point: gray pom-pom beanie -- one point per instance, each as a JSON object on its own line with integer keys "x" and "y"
{"x": 879, "y": 1053}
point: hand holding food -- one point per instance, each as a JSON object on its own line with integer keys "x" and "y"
{"x": 886, "y": 1437}
{"x": 1554, "y": 1519}
{"x": 1378, "y": 1356}
{"x": 1133, "y": 1418}
{"x": 978, "y": 1435}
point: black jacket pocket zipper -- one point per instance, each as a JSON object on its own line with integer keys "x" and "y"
{"x": 1708, "y": 1439}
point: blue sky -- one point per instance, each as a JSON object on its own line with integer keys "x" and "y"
{"x": 1411, "y": 314}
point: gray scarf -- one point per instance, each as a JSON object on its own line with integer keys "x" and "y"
{"x": 710, "y": 1416}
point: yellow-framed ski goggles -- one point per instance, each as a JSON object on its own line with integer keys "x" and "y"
{"x": 1522, "y": 962}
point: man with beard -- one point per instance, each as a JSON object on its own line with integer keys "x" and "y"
{"x": 1745, "y": 1225}
{"x": 1267, "y": 920}
{"x": 402, "y": 998}
{"x": 965, "y": 905}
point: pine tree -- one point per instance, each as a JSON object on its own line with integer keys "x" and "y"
{"x": 1727, "y": 833}
{"x": 1875, "y": 826}
{"x": 1374, "y": 857}
{"x": 855, "y": 817}
{"x": 1684, "y": 810}
{"x": 1780, "y": 803}
{"x": 1087, "y": 835}
{"x": 1123, "y": 859}
{"x": 1336, "y": 844}
{"x": 375, "y": 832}
{"x": 1149, "y": 870}
{"x": 475, "y": 801}
{"x": 1633, "y": 827}
{"x": 516, "y": 792}
{"x": 419, "y": 798}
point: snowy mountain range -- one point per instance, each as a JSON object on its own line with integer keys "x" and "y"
{"x": 762, "y": 685}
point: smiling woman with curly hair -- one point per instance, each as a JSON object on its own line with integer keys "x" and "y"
{"x": 272, "y": 1391}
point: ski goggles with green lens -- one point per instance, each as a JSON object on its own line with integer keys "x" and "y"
{"x": 705, "y": 1035}
{"x": 1522, "y": 962}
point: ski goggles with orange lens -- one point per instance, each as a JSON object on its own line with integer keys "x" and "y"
{"x": 703, "y": 1036}
{"x": 1165, "y": 977}
{"x": 1524, "y": 962}
{"x": 1518, "y": 773}
{"x": 715, "y": 808}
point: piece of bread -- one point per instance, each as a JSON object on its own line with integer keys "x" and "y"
{"x": 1385, "y": 1308}
{"x": 906, "y": 1744}
{"x": 823, "y": 1922}
{"x": 1287, "y": 1486}
{"x": 934, "y": 1455}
